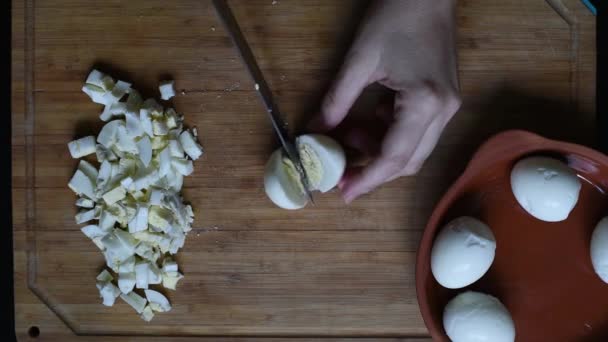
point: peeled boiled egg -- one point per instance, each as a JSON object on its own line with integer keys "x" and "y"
{"x": 462, "y": 252}
{"x": 599, "y": 249}
{"x": 475, "y": 317}
{"x": 323, "y": 160}
{"x": 545, "y": 187}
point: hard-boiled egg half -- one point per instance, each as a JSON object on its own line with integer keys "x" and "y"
{"x": 462, "y": 252}
{"x": 323, "y": 160}
{"x": 475, "y": 317}
{"x": 545, "y": 187}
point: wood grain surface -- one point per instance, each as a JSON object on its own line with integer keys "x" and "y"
{"x": 253, "y": 271}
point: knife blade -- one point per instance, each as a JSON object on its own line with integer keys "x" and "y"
{"x": 234, "y": 31}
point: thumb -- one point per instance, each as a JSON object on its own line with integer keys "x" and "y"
{"x": 355, "y": 74}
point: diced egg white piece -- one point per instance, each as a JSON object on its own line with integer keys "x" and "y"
{"x": 100, "y": 80}
{"x": 134, "y": 128}
{"x": 147, "y": 314}
{"x": 97, "y": 242}
{"x": 106, "y": 221}
{"x": 95, "y": 93}
{"x": 166, "y": 90}
{"x": 107, "y": 83}
{"x": 126, "y": 182}
{"x": 176, "y": 149}
{"x": 104, "y": 276}
{"x": 126, "y": 143}
{"x": 85, "y": 203}
{"x": 118, "y": 108}
{"x": 159, "y": 142}
{"x": 127, "y": 265}
{"x": 139, "y": 196}
{"x": 136, "y": 301}
{"x": 171, "y": 231}
{"x": 159, "y": 127}
{"x": 145, "y": 177}
{"x": 146, "y": 121}
{"x": 147, "y": 252}
{"x": 117, "y": 250}
{"x": 176, "y": 182}
{"x": 120, "y": 89}
{"x": 92, "y": 231}
{"x": 127, "y": 166}
{"x": 118, "y": 152}
{"x": 190, "y": 146}
{"x": 106, "y": 115}
{"x": 126, "y": 239}
{"x": 104, "y": 153}
{"x": 115, "y": 171}
{"x": 140, "y": 221}
{"x": 114, "y": 195}
{"x": 164, "y": 244}
{"x": 152, "y": 106}
{"x": 97, "y": 210}
{"x": 105, "y": 172}
{"x": 177, "y": 243}
{"x": 108, "y": 134}
{"x": 112, "y": 261}
{"x": 171, "y": 118}
{"x": 170, "y": 279}
{"x": 134, "y": 102}
{"x": 141, "y": 275}
{"x": 156, "y": 196}
{"x": 154, "y": 274}
{"x": 126, "y": 282}
{"x": 109, "y": 292}
{"x": 174, "y": 203}
{"x": 169, "y": 265}
{"x": 89, "y": 170}
{"x": 148, "y": 236}
{"x": 165, "y": 162}
{"x": 95, "y": 77}
{"x": 144, "y": 147}
{"x": 82, "y": 147}
{"x": 85, "y": 216}
{"x": 155, "y": 297}
{"x": 159, "y": 217}
{"x": 144, "y": 180}
{"x": 182, "y": 165}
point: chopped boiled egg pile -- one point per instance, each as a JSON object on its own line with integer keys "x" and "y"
{"x": 132, "y": 202}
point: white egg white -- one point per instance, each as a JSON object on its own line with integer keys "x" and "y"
{"x": 545, "y": 187}
{"x": 599, "y": 249}
{"x": 462, "y": 253}
{"x": 475, "y": 317}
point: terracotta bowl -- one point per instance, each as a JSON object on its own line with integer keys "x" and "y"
{"x": 542, "y": 271}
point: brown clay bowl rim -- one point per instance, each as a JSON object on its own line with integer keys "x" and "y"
{"x": 515, "y": 142}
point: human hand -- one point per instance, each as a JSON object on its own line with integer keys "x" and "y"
{"x": 407, "y": 46}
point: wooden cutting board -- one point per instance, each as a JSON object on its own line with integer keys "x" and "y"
{"x": 251, "y": 270}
